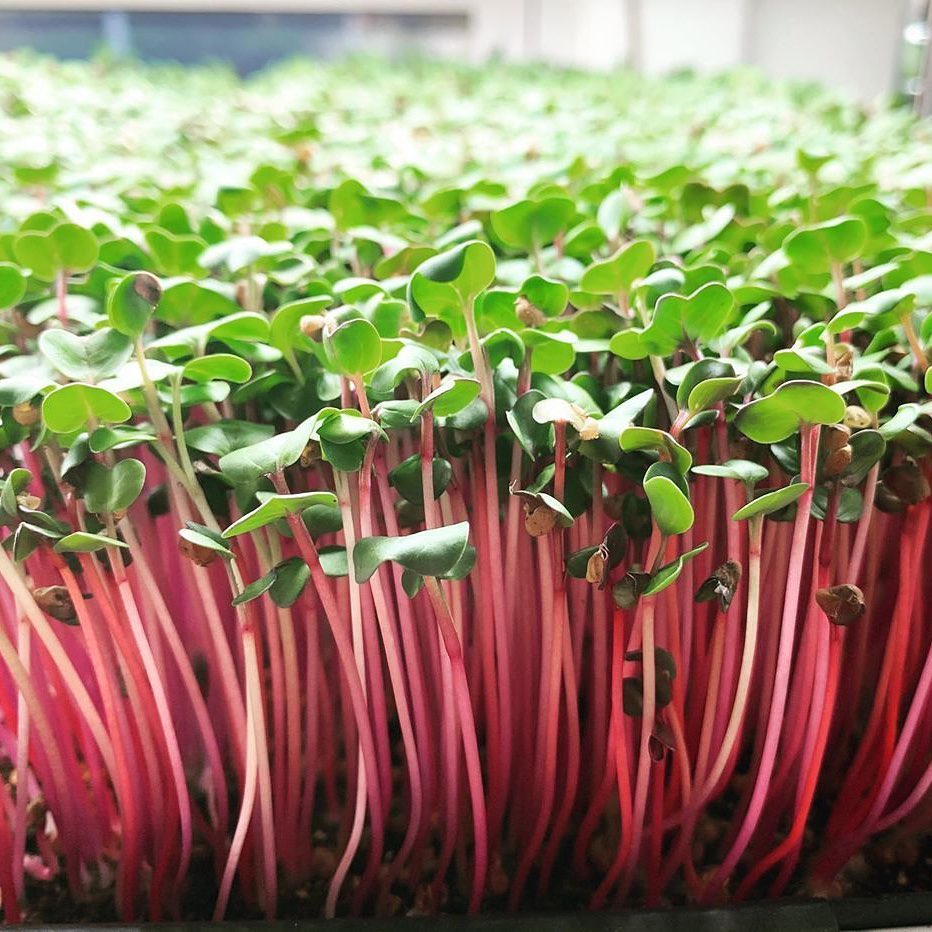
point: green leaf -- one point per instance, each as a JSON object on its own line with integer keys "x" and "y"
{"x": 700, "y": 316}
{"x": 411, "y": 361}
{"x": 396, "y": 415}
{"x": 246, "y": 327}
{"x": 706, "y": 311}
{"x": 247, "y": 464}
{"x": 274, "y": 507}
{"x": 256, "y": 588}
{"x": 66, "y": 247}
{"x": 768, "y": 502}
{"x": 433, "y": 552}
{"x": 867, "y": 448}
{"x": 222, "y": 437}
{"x": 629, "y": 344}
{"x": 334, "y": 561}
{"x": 529, "y": 225}
{"x": 75, "y": 247}
{"x": 668, "y": 574}
{"x": 607, "y": 447}
{"x": 743, "y": 470}
{"x": 705, "y": 383}
{"x": 546, "y": 294}
{"x": 197, "y": 394}
{"x": 186, "y": 302}
{"x": 779, "y": 415}
{"x": 708, "y": 393}
{"x": 204, "y": 537}
{"x": 285, "y": 330}
{"x": 354, "y": 348}
{"x": 113, "y": 489}
{"x": 291, "y": 577}
{"x": 223, "y": 367}
{"x": 650, "y": 438}
{"x": 873, "y": 394}
{"x": 533, "y": 436}
{"x": 445, "y": 282}
{"x": 905, "y": 416}
{"x": 499, "y": 345}
{"x": 174, "y": 254}
{"x": 132, "y": 302}
{"x": 669, "y": 499}
{"x": 12, "y": 285}
{"x": 70, "y": 407}
{"x": 690, "y": 375}
{"x": 344, "y": 427}
{"x": 618, "y": 274}
{"x": 551, "y": 353}
{"x": 116, "y": 438}
{"x": 578, "y": 562}
{"x": 322, "y": 519}
{"x": 451, "y": 396}
{"x": 83, "y": 542}
{"x": 405, "y": 478}
{"x": 885, "y": 307}
{"x": 803, "y": 359}
{"x": 15, "y": 483}
{"x": 815, "y": 248}
{"x": 86, "y": 359}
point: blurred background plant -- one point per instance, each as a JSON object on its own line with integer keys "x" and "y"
{"x": 867, "y": 48}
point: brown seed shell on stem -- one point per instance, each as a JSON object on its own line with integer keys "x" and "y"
{"x": 842, "y": 604}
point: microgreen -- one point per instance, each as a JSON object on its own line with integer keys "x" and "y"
{"x": 465, "y": 503}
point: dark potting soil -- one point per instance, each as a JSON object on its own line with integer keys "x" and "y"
{"x": 893, "y": 863}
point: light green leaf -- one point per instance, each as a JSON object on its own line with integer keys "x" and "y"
{"x": 354, "y": 348}
{"x": 743, "y": 470}
{"x": 815, "y": 248}
{"x": 433, "y": 552}
{"x": 406, "y": 478}
{"x": 618, "y": 274}
{"x": 223, "y": 367}
{"x": 779, "y": 415}
{"x": 650, "y": 438}
{"x": 222, "y": 437}
{"x": 769, "y": 502}
{"x": 451, "y": 396}
{"x": 247, "y": 464}
{"x": 113, "y": 489}
{"x": 274, "y": 507}
{"x": 89, "y": 358}
{"x": 669, "y": 499}
{"x": 70, "y": 407}
{"x": 668, "y": 574}
{"x": 529, "y": 225}
{"x": 445, "y": 282}
{"x": 83, "y": 542}
{"x": 132, "y": 302}
{"x": 12, "y": 285}
{"x": 204, "y": 537}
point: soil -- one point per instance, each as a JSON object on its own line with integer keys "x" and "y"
{"x": 890, "y": 864}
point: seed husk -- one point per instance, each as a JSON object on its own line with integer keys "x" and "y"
{"x": 56, "y": 601}
{"x": 843, "y": 604}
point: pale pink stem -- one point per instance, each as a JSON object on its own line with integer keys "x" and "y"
{"x": 784, "y": 662}
{"x": 454, "y": 651}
